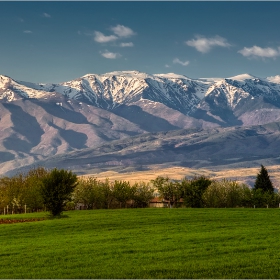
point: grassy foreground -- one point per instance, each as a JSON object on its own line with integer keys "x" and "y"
{"x": 144, "y": 243}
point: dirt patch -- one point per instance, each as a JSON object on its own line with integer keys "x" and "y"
{"x": 13, "y": 221}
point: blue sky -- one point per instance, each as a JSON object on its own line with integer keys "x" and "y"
{"x": 60, "y": 41}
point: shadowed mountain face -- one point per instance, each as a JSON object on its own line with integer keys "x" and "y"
{"x": 24, "y": 125}
{"x": 36, "y": 129}
{"x": 215, "y": 148}
{"x": 133, "y": 119}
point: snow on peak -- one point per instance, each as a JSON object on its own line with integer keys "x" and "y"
{"x": 171, "y": 76}
{"x": 4, "y": 77}
{"x": 130, "y": 74}
{"x": 242, "y": 77}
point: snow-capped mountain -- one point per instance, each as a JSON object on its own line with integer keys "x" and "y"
{"x": 231, "y": 91}
{"x": 219, "y": 98}
{"x": 11, "y": 90}
{"x": 42, "y": 120}
{"x": 111, "y": 90}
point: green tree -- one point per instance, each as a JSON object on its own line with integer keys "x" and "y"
{"x": 169, "y": 190}
{"x": 57, "y": 189}
{"x": 22, "y": 190}
{"x": 193, "y": 191}
{"x": 12, "y": 193}
{"x": 122, "y": 192}
{"x": 85, "y": 192}
{"x": 143, "y": 193}
{"x": 226, "y": 193}
{"x": 263, "y": 199}
{"x": 263, "y": 181}
{"x": 107, "y": 191}
{"x": 32, "y": 197}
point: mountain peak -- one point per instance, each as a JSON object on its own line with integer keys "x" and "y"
{"x": 172, "y": 76}
{"x": 131, "y": 74}
{"x": 243, "y": 77}
{"x": 4, "y": 79}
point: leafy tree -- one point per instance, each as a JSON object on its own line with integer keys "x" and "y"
{"x": 193, "y": 191}
{"x": 169, "y": 190}
{"x": 143, "y": 193}
{"x": 22, "y": 190}
{"x": 226, "y": 193}
{"x": 85, "y": 192}
{"x": 12, "y": 192}
{"x": 263, "y": 181}
{"x": 107, "y": 193}
{"x": 32, "y": 188}
{"x": 57, "y": 188}
{"x": 122, "y": 192}
{"x": 246, "y": 196}
{"x": 215, "y": 195}
{"x": 263, "y": 199}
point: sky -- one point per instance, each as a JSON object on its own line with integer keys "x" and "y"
{"x": 60, "y": 41}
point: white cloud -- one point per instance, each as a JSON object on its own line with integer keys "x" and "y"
{"x": 110, "y": 55}
{"x": 204, "y": 45}
{"x": 27, "y": 31}
{"x": 101, "y": 38}
{"x": 46, "y": 15}
{"x": 130, "y": 44}
{"x": 184, "y": 63}
{"x": 256, "y": 51}
{"x": 122, "y": 31}
{"x": 167, "y": 66}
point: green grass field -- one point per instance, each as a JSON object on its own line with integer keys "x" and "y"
{"x": 144, "y": 243}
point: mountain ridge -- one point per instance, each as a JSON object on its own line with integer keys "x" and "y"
{"x": 38, "y": 121}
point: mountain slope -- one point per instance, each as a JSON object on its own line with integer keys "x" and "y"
{"x": 33, "y": 129}
{"x": 215, "y": 148}
{"x": 241, "y": 100}
{"x": 38, "y": 121}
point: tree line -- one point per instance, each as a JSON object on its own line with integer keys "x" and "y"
{"x": 202, "y": 192}
{"x": 57, "y": 190}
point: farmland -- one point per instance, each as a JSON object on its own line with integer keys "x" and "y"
{"x": 143, "y": 243}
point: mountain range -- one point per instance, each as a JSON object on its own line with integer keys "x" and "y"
{"x": 161, "y": 118}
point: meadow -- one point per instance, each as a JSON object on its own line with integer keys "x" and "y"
{"x": 143, "y": 243}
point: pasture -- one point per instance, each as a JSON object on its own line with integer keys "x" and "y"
{"x": 143, "y": 243}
